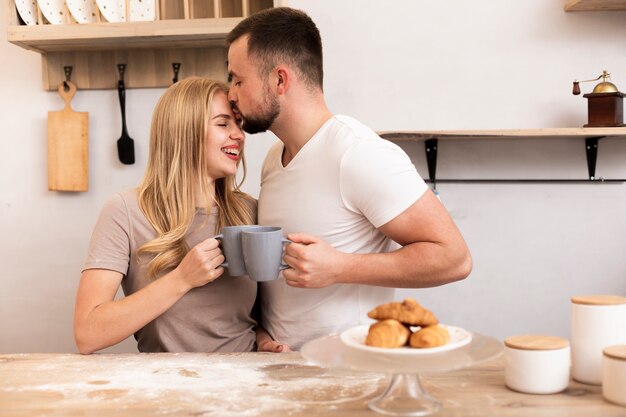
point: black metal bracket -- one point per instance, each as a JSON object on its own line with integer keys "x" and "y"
{"x": 431, "y": 160}
{"x": 591, "y": 148}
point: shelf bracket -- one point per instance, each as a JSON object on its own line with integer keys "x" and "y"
{"x": 591, "y": 148}
{"x": 431, "y": 160}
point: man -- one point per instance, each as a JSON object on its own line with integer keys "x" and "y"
{"x": 362, "y": 220}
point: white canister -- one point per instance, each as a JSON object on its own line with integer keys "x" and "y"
{"x": 598, "y": 321}
{"x": 536, "y": 364}
{"x": 614, "y": 374}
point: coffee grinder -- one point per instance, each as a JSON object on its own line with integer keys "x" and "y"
{"x": 605, "y": 106}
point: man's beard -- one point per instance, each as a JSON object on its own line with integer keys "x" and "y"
{"x": 262, "y": 123}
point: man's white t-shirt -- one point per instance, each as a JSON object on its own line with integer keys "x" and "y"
{"x": 341, "y": 186}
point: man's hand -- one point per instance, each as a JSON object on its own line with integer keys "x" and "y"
{"x": 265, "y": 343}
{"x": 314, "y": 263}
{"x": 273, "y": 346}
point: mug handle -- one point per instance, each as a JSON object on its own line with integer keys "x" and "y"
{"x": 220, "y": 237}
{"x": 282, "y": 265}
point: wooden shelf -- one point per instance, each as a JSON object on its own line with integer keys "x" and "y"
{"x": 190, "y": 33}
{"x": 594, "y": 5}
{"x": 591, "y": 136}
{"x": 185, "y": 32}
{"x": 505, "y": 134}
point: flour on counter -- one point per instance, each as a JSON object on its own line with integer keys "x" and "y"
{"x": 199, "y": 384}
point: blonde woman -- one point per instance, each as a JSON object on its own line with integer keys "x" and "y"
{"x": 156, "y": 241}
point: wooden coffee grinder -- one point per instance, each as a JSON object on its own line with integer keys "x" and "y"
{"x": 605, "y": 105}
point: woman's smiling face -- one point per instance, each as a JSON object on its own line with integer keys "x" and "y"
{"x": 224, "y": 139}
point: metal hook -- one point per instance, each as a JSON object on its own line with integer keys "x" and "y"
{"x": 68, "y": 75}
{"x": 176, "y": 68}
{"x": 121, "y": 68}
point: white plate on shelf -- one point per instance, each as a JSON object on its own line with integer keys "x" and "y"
{"x": 112, "y": 10}
{"x": 355, "y": 338}
{"x": 53, "y": 10}
{"x": 115, "y": 10}
{"x": 84, "y": 11}
{"x": 142, "y": 10}
{"x": 27, "y": 10}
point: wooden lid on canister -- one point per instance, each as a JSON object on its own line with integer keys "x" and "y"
{"x": 536, "y": 342}
{"x": 599, "y": 300}
{"x": 616, "y": 352}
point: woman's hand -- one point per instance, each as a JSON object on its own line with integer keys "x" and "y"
{"x": 201, "y": 265}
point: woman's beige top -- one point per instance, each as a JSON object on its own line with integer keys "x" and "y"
{"x": 212, "y": 318}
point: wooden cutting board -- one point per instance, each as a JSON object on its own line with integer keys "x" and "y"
{"x": 68, "y": 146}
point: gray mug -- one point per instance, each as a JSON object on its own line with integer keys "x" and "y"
{"x": 231, "y": 248}
{"x": 263, "y": 252}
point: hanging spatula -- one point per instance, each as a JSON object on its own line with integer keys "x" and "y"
{"x": 125, "y": 144}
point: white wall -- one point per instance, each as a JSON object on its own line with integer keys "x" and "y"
{"x": 406, "y": 64}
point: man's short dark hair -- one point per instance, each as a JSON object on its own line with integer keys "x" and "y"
{"x": 283, "y": 34}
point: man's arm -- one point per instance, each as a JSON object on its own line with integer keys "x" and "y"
{"x": 433, "y": 253}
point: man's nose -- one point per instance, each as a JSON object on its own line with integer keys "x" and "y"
{"x": 231, "y": 96}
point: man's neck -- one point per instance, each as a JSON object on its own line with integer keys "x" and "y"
{"x": 299, "y": 123}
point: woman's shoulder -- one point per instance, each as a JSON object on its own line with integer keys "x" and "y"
{"x": 123, "y": 201}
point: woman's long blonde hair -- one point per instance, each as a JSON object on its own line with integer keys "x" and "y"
{"x": 176, "y": 166}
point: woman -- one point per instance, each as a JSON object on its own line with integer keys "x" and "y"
{"x": 156, "y": 241}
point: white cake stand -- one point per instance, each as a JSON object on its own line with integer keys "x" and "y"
{"x": 404, "y": 395}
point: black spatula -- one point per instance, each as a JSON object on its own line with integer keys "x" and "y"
{"x": 125, "y": 144}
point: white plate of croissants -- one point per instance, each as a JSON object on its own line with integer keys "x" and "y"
{"x": 405, "y": 328}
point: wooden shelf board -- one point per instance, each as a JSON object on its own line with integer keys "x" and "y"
{"x": 145, "y": 68}
{"x": 594, "y": 5}
{"x": 147, "y": 48}
{"x": 114, "y": 36}
{"x": 547, "y": 133}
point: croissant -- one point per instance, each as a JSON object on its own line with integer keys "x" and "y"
{"x": 429, "y": 336}
{"x": 387, "y": 334}
{"x": 408, "y": 312}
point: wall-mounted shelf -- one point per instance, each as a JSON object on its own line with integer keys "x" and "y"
{"x": 431, "y": 138}
{"x": 105, "y": 35}
{"x": 185, "y": 31}
{"x": 594, "y": 5}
